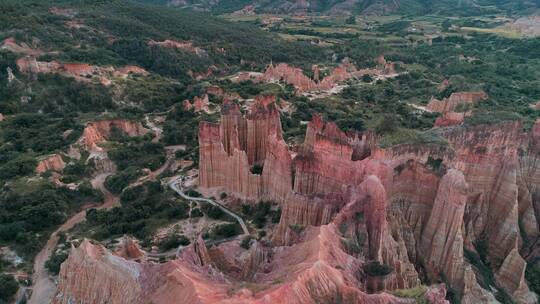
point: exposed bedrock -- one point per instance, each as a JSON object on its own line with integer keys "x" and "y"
{"x": 97, "y": 132}
{"x": 442, "y": 238}
{"x": 346, "y": 205}
{"x": 429, "y": 212}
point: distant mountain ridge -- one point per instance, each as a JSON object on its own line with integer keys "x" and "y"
{"x": 365, "y": 7}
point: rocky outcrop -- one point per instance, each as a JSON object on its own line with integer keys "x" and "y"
{"x": 10, "y": 44}
{"x": 79, "y": 71}
{"x": 300, "y": 211}
{"x": 448, "y": 119}
{"x": 449, "y": 104}
{"x": 91, "y": 274}
{"x": 129, "y": 249}
{"x": 251, "y": 148}
{"x": 182, "y": 45}
{"x": 511, "y": 276}
{"x": 429, "y": 213}
{"x": 347, "y": 204}
{"x": 98, "y": 132}
{"x": 52, "y": 162}
{"x": 442, "y": 238}
{"x": 315, "y": 269}
{"x": 295, "y": 76}
{"x": 199, "y": 104}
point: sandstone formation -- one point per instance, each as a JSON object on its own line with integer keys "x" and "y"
{"x": 52, "y": 162}
{"x": 182, "y": 45}
{"x": 199, "y": 104}
{"x": 295, "y": 76}
{"x": 79, "y": 71}
{"x": 10, "y": 44}
{"x": 432, "y": 213}
{"x": 315, "y": 269}
{"x": 115, "y": 279}
{"x": 448, "y": 119}
{"x": 129, "y": 249}
{"x": 449, "y": 104}
{"x": 99, "y": 131}
{"x": 442, "y": 238}
{"x": 345, "y": 204}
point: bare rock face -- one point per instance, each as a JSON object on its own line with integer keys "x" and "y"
{"x": 242, "y": 145}
{"x": 200, "y": 104}
{"x": 99, "y": 131}
{"x": 472, "y": 292}
{"x": 52, "y": 162}
{"x": 451, "y": 119}
{"x": 315, "y": 269}
{"x": 296, "y": 77}
{"x": 300, "y": 211}
{"x": 442, "y": 238}
{"x": 511, "y": 276}
{"x": 347, "y": 204}
{"x": 130, "y": 249}
{"x": 182, "y": 45}
{"x": 79, "y": 71}
{"x": 91, "y": 274}
{"x": 449, "y": 104}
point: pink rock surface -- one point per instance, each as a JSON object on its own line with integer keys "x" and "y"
{"x": 52, "y": 162}
{"x": 449, "y": 104}
{"x": 99, "y": 131}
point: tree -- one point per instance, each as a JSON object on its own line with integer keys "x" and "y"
{"x": 8, "y": 287}
{"x": 387, "y": 124}
{"x": 351, "y": 20}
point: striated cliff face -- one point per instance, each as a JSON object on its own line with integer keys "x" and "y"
{"x": 316, "y": 269}
{"x": 295, "y": 76}
{"x": 240, "y": 145}
{"x": 79, "y": 71}
{"x": 438, "y": 200}
{"x": 461, "y": 98}
{"x": 91, "y": 274}
{"x": 346, "y": 204}
{"x": 52, "y": 162}
{"x": 99, "y": 131}
{"x": 451, "y": 119}
{"x": 441, "y": 244}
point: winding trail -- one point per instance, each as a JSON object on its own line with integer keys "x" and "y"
{"x": 157, "y": 130}
{"x": 176, "y": 185}
{"x": 43, "y": 286}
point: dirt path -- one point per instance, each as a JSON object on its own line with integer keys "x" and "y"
{"x": 176, "y": 185}
{"x": 157, "y": 130}
{"x": 43, "y": 285}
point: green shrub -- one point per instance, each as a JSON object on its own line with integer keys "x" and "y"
{"x": 246, "y": 242}
{"x": 225, "y": 231}
{"x": 376, "y": 269}
{"x": 196, "y": 212}
{"x": 116, "y": 183}
{"x": 297, "y": 228}
{"x": 532, "y": 274}
{"x": 256, "y": 169}
{"x": 416, "y": 292}
{"x": 8, "y": 287}
{"x": 173, "y": 241}
{"x": 408, "y": 136}
{"x": 54, "y": 262}
{"x": 214, "y": 212}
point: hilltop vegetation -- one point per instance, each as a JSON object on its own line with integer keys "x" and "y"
{"x": 368, "y": 7}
